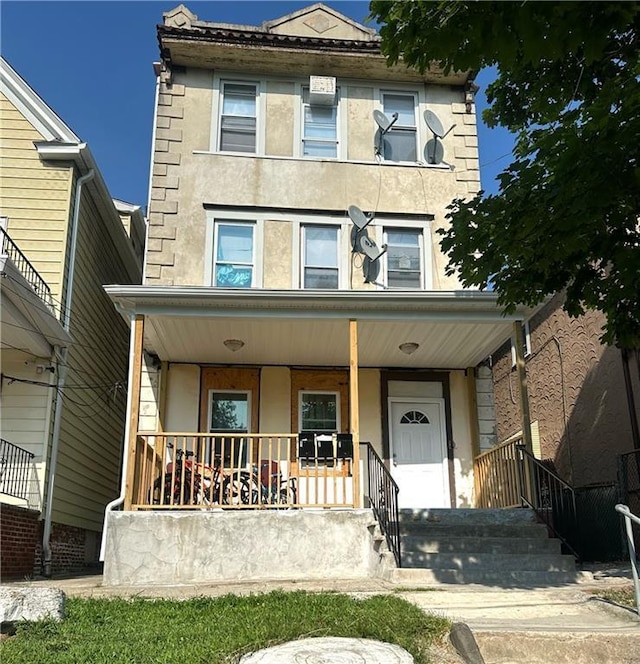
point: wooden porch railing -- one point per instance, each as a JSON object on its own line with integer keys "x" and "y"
{"x": 496, "y": 476}
{"x": 239, "y": 471}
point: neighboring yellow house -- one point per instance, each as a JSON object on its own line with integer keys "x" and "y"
{"x": 295, "y": 304}
{"x": 64, "y": 347}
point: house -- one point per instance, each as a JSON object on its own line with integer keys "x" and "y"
{"x": 582, "y": 412}
{"x": 64, "y": 346}
{"x": 296, "y": 328}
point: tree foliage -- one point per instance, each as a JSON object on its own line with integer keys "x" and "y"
{"x": 568, "y": 85}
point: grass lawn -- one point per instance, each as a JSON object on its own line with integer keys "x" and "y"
{"x": 215, "y": 630}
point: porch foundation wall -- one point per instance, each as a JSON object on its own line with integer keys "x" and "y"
{"x": 171, "y": 548}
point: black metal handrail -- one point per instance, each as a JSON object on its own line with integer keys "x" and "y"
{"x": 15, "y": 470}
{"x": 39, "y": 285}
{"x": 383, "y": 496}
{"x": 552, "y": 499}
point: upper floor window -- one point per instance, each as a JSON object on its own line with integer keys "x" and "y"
{"x": 234, "y": 254}
{"x": 400, "y": 142}
{"x": 238, "y": 114}
{"x": 319, "y": 128}
{"x": 320, "y": 257}
{"x": 404, "y": 260}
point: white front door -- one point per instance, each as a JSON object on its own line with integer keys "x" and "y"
{"x": 418, "y": 449}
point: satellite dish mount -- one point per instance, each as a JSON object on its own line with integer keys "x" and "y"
{"x": 361, "y": 243}
{"x": 435, "y": 155}
{"x": 384, "y": 125}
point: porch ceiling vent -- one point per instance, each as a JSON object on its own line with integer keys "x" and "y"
{"x": 322, "y": 90}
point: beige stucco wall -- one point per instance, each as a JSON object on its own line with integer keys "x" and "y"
{"x": 188, "y": 176}
{"x": 182, "y": 398}
{"x": 461, "y": 430}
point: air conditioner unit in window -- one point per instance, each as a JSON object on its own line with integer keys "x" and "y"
{"x": 322, "y": 90}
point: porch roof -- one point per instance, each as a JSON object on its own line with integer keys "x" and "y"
{"x": 454, "y": 329}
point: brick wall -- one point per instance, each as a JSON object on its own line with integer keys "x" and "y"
{"x": 72, "y": 549}
{"x": 19, "y": 529}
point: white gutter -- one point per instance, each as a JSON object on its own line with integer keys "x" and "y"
{"x": 62, "y": 357}
{"x": 125, "y": 456}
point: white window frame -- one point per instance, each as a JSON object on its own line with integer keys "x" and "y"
{"x": 417, "y": 106}
{"x": 220, "y": 218}
{"x": 339, "y": 249}
{"x": 335, "y": 393}
{"x": 216, "y": 121}
{"x": 300, "y": 125}
{"x": 424, "y": 245}
{"x": 242, "y": 451}
{"x": 526, "y": 335}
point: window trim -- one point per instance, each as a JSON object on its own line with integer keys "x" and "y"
{"x": 304, "y": 266}
{"x": 219, "y": 81}
{"x": 526, "y": 335}
{"x": 340, "y": 139}
{"x": 213, "y": 220}
{"x": 417, "y": 107}
{"x": 334, "y": 393}
{"x": 424, "y": 245}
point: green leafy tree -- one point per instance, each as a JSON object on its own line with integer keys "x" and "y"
{"x": 568, "y": 85}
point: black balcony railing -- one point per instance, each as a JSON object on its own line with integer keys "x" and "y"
{"x": 39, "y": 285}
{"x": 16, "y": 466}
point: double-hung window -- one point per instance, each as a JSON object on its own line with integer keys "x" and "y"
{"x": 400, "y": 142}
{"x": 229, "y": 412}
{"x": 404, "y": 258}
{"x": 320, "y": 256}
{"x": 238, "y": 114}
{"x": 319, "y": 411}
{"x": 319, "y": 128}
{"x": 234, "y": 254}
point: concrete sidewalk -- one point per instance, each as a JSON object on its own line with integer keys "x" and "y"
{"x": 545, "y": 625}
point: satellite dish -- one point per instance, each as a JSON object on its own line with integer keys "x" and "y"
{"x": 359, "y": 218}
{"x": 436, "y": 153}
{"x": 383, "y": 121}
{"x": 370, "y": 248}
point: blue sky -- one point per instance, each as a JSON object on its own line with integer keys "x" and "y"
{"x": 91, "y": 62}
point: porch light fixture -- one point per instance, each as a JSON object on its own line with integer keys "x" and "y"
{"x": 233, "y": 344}
{"x": 409, "y": 347}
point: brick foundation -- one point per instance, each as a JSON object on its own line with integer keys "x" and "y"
{"x": 72, "y": 549}
{"x": 19, "y": 529}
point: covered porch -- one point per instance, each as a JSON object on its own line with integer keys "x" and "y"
{"x": 252, "y": 398}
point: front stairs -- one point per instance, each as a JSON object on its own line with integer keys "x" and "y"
{"x": 495, "y": 547}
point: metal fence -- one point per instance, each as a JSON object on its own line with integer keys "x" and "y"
{"x": 629, "y": 479}
{"x": 600, "y": 535}
{"x": 15, "y": 470}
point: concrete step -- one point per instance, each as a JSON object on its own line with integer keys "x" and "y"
{"x": 416, "y": 577}
{"x": 445, "y": 530}
{"x": 491, "y": 562}
{"x": 426, "y": 544}
{"x": 468, "y": 516}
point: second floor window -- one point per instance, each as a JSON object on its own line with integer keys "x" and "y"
{"x": 320, "y": 257}
{"x": 319, "y": 129}
{"x": 399, "y": 144}
{"x": 238, "y": 117}
{"x": 404, "y": 258}
{"x": 234, "y": 255}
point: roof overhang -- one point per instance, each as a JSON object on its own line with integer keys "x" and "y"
{"x": 453, "y": 329}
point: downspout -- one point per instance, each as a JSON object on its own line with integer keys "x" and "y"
{"x": 62, "y": 357}
{"x": 125, "y": 457}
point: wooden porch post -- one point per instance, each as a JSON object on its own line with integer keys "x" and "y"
{"x": 134, "y": 410}
{"x": 522, "y": 383}
{"x": 354, "y": 409}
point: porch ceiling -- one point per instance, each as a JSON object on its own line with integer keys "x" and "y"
{"x": 453, "y": 329}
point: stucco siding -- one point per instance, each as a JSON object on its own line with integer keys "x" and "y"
{"x": 93, "y": 415}
{"x": 34, "y": 197}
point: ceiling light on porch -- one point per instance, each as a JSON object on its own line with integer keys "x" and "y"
{"x": 233, "y": 344}
{"x": 409, "y": 347}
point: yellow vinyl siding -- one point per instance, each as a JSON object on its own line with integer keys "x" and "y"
{"x": 34, "y": 196}
{"x": 93, "y": 417}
